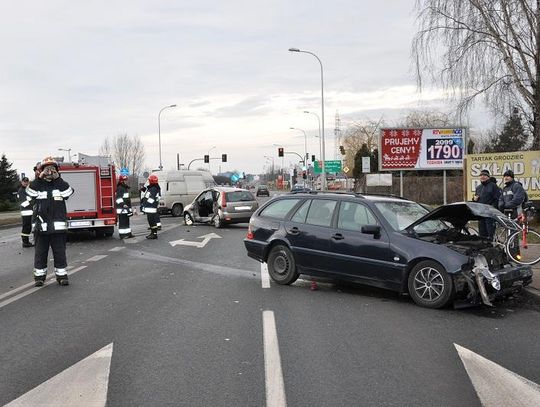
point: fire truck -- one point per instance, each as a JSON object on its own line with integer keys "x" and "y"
{"x": 92, "y": 206}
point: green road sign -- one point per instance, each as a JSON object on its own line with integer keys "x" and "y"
{"x": 331, "y": 166}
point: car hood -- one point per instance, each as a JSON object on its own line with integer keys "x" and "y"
{"x": 459, "y": 213}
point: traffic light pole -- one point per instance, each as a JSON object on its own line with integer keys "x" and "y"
{"x": 292, "y": 152}
{"x": 202, "y": 159}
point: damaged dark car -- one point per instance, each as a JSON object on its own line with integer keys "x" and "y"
{"x": 388, "y": 242}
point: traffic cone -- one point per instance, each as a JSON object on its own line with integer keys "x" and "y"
{"x": 314, "y": 286}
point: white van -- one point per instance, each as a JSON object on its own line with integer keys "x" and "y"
{"x": 179, "y": 189}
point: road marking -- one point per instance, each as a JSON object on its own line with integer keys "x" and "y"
{"x": 265, "y": 278}
{"x": 83, "y": 384}
{"x": 33, "y": 289}
{"x": 117, "y": 248}
{"x": 275, "y": 389}
{"x": 206, "y": 239}
{"x": 497, "y": 386}
{"x": 97, "y": 257}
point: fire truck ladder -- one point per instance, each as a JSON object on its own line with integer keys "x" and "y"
{"x": 106, "y": 198}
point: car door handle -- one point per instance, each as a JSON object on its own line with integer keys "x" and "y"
{"x": 337, "y": 236}
{"x": 293, "y": 231}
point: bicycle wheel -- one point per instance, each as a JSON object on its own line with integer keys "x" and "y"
{"x": 524, "y": 248}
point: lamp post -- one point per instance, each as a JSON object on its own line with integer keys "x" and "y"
{"x": 271, "y": 158}
{"x": 209, "y": 158}
{"x": 159, "y": 133}
{"x": 68, "y": 151}
{"x": 305, "y": 144}
{"x": 322, "y": 112}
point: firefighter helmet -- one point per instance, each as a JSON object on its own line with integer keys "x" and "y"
{"x": 153, "y": 179}
{"x": 122, "y": 178}
{"x": 49, "y": 161}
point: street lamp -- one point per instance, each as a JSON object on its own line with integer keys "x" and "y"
{"x": 68, "y": 151}
{"x": 305, "y": 143}
{"x": 159, "y": 133}
{"x": 271, "y": 158}
{"x": 322, "y": 111}
{"x": 320, "y": 139}
{"x": 209, "y": 158}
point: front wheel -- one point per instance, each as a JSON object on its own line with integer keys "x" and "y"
{"x": 430, "y": 285}
{"x": 188, "y": 220}
{"x": 524, "y": 247}
{"x": 218, "y": 223}
{"x": 281, "y": 265}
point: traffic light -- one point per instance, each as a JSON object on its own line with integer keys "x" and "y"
{"x": 280, "y": 151}
{"x": 342, "y": 150}
{"x": 206, "y": 158}
{"x": 304, "y": 175}
{"x": 312, "y": 157}
{"x": 223, "y": 158}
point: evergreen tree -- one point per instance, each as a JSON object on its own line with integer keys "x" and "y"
{"x": 9, "y": 180}
{"x": 512, "y": 137}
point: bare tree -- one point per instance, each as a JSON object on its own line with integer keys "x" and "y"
{"x": 125, "y": 151}
{"x": 422, "y": 118}
{"x": 358, "y": 134}
{"x": 487, "y": 48}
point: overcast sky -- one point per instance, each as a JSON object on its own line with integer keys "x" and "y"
{"x": 74, "y": 73}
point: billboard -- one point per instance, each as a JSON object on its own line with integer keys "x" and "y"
{"x": 421, "y": 149}
{"x": 525, "y": 164}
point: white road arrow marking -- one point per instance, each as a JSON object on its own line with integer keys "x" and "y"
{"x": 83, "y": 384}
{"x": 206, "y": 239}
{"x": 497, "y": 386}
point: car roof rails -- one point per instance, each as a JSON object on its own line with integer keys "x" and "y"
{"x": 388, "y": 196}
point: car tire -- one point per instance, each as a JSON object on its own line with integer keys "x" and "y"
{"x": 188, "y": 220}
{"x": 177, "y": 210}
{"x": 429, "y": 284}
{"x": 281, "y": 265}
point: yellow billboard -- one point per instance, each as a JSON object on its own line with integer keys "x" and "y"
{"x": 525, "y": 164}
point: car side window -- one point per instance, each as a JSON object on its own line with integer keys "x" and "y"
{"x": 279, "y": 209}
{"x": 301, "y": 213}
{"x": 320, "y": 212}
{"x": 352, "y": 216}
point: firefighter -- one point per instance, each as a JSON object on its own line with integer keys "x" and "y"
{"x": 26, "y": 213}
{"x": 151, "y": 204}
{"x": 49, "y": 193}
{"x": 123, "y": 208}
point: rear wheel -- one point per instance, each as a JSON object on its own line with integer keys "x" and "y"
{"x": 430, "y": 285}
{"x": 188, "y": 220}
{"x": 281, "y": 265}
{"x": 524, "y": 248}
{"x": 177, "y": 210}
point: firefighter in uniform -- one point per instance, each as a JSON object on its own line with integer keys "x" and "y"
{"x": 26, "y": 213}
{"x": 151, "y": 204}
{"x": 123, "y": 208}
{"x": 49, "y": 193}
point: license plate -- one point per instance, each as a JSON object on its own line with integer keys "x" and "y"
{"x": 80, "y": 223}
{"x": 243, "y": 208}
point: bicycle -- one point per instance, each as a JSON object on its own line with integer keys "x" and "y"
{"x": 522, "y": 245}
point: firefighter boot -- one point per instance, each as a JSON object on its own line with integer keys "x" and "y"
{"x": 39, "y": 281}
{"x": 152, "y": 235}
{"x": 62, "y": 280}
{"x": 26, "y": 242}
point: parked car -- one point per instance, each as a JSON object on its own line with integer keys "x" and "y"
{"x": 262, "y": 190}
{"x": 300, "y": 188}
{"x": 386, "y": 242}
{"x": 221, "y": 205}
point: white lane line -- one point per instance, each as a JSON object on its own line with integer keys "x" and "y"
{"x": 97, "y": 257}
{"x": 497, "y": 386}
{"x": 275, "y": 389}
{"x": 34, "y": 289}
{"x": 83, "y": 384}
{"x": 265, "y": 278}
{"x": 117, "y": 248}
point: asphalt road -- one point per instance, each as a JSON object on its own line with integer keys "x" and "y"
{"x": 193, "y": 326}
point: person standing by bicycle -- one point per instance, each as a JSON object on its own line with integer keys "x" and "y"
{"x": 513, "y": 195}
{"x": 487, "y": 193}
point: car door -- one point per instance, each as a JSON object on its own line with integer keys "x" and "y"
{"x": 309, "y": 232}
{"x": 358, "y": 250}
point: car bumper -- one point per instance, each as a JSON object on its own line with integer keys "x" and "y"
{"x": 255, "y": 249}
{"x": 238, "y": 217}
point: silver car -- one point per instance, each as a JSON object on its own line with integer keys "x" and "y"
{"x": 220, "y": 206}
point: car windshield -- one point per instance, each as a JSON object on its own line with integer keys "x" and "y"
{"x": 239, "y": 196}
{"x": 402, "y": 214}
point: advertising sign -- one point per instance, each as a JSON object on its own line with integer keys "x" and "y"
{"x": 525, "y": 164}
{"x": 366, "y": 165}
{"x": 421, "y": 149}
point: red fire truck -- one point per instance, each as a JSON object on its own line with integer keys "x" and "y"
{"x": 92, "y": 206}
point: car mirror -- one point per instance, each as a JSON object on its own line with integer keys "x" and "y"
{"x": 374, "y": 230}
